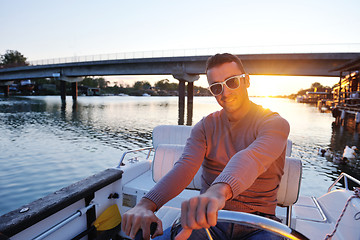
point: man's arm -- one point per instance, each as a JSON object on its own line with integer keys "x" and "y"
{"x": 201, "y": 211}
{"x": 184, "y": 170}
{"x": 141, "y": 216}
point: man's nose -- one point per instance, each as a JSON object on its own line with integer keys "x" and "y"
{"x": 226, "y": 90}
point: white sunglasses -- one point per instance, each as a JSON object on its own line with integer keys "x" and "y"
{"x": 231, "y": 82}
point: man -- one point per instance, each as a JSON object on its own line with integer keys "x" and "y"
{"x": 242, "y": 151}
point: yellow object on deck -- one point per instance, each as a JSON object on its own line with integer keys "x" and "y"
{"x": 109, "y": 219}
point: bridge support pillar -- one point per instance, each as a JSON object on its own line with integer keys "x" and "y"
{"x": 190, "y": 101}
{"x": 74, "y": 91}
{"x": 189, "y": 78}
{"x": 181, "y": 102}
{"x": 74, "y": 87}
{"x": 63, "y": 91}
{"x": 6, "y": 90}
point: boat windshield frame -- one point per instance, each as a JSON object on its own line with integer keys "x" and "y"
{"x": 346, "y": 177}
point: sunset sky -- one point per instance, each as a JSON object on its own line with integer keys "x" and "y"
{"x": 41, "y": 29}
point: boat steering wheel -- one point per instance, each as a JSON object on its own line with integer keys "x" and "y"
{"x": 259, "y": 222}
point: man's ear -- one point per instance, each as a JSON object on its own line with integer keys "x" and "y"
{"x": 247, "y": 80}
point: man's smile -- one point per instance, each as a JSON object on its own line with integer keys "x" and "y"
{"x": 228, "y": 99}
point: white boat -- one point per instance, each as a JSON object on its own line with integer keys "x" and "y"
{"x": 71, "y": 211}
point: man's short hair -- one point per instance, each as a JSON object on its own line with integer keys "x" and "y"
{"x": 221, "y": 58}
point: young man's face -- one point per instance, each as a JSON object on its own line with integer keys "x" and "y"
{"x": 232, "y": 100}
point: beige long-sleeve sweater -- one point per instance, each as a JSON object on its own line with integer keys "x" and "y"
{"x": 248, "y": 154}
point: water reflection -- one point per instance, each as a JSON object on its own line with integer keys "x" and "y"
{"x": 93, "y": 121}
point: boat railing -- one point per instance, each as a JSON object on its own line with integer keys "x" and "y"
{"x": 52, "y": 209}
{"x": 345, "y": 176}
{"x": 135, "y": 150}
{"x": 67, "y": 220}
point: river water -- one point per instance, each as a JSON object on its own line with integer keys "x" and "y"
{"x": 45, "y": 146}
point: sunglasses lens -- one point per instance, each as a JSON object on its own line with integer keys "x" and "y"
{"x": 233, "y": 83}
{"x": 216, "y": 89}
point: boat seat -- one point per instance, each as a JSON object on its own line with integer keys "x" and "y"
{"x": 289, "y": 187}
{"x": 178, "y": 134}
{"x": 166, "y": 156}
{"x": 170, "y": 134}
{"x": 288, "y": 148}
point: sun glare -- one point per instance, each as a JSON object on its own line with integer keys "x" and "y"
{"x": 263, "y": 87}
{"x": 266, "y": 102}
{"x": 284, "y": 85}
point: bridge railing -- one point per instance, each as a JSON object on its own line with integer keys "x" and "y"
{"x": 309, "y": 48}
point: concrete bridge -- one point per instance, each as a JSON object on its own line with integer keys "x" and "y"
{"x": 295, "y": 64}
{"x": 185, "y": 69}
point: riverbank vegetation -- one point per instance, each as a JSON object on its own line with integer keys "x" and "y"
{"x": 315, "y": 87}
{"x": 12, "y": 58}
{"x": 162, "y": 87}
{"x": 89, "y": 85}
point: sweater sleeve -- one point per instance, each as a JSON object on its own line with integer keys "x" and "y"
{"x": 184, "y": 170}
{"x": 246, "y": 165}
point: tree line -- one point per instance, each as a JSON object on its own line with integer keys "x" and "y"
{"x": 162, "y": 87}
{"x": 315, "y": 87}
{"x": 12, "y": 58}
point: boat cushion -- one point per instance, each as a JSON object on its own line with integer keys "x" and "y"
{"x": 289, "y": 188}
{"x": 170, "y": 134}
{"x": 167, "y": 154}
{"x": 288, "y": 148}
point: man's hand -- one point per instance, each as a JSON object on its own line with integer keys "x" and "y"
{"x": 201, "y": 211}
{"x": 140, "y": 217}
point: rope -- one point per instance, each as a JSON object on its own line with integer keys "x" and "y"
{"x": 356, "y": 195}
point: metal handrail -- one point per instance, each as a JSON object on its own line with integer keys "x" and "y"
{"x": 346, "y": 177}
{"x": 135, "y": 150}
{"x": 252, "y": 49}
{"x": 59, "y": 225}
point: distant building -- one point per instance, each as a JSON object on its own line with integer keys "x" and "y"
{"x": 88, "y": 91}
{"x": 315, "y": 96}
{"x": 346, "y": 93}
